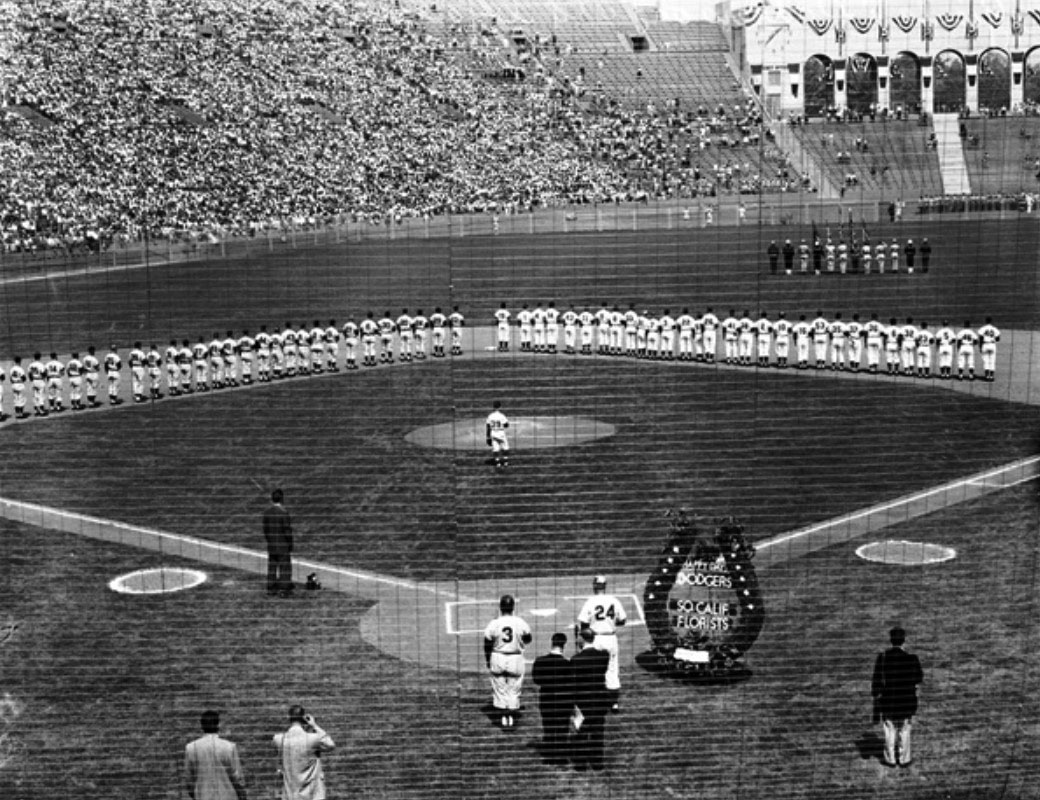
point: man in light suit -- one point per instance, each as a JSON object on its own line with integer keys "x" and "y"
{"x": 300, "y": 750}
{"x": 211, "y": 767}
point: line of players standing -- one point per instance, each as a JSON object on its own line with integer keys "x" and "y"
{"x": 229, "y": 360}
{"x": 906, "y": 349}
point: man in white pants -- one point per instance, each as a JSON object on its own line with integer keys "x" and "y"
{"x": 495, "y": 429}
{"x": 603, "y": 614}
{"x": 505, "y": 639}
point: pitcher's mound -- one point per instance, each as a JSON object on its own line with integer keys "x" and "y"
{"x": 525, "y": 433}
{"x": 907, "y": 553}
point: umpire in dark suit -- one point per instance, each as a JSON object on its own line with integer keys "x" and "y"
{"x": 279, "y": 536}
{"x": 554, "y": 676}
{"x": 593, "y": 701}
{"x": 894, "y": 686}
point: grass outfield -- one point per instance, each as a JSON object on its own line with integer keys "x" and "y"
{"x": 979, "y": 268}
{"x": 779, "y": 451}
{"x": 103, "y": 690}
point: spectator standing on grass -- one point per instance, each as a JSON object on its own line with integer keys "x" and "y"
{"x": 300, "y": 749}
{"x": 211, "y": 767}
{"x": 894, "y": 687}
{"x": 554, "y": 676}
{"x": 279, "y": 536}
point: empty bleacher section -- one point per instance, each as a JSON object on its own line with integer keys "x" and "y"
{"x": 1002, "y": 154}
{"x": 890, "y": 160}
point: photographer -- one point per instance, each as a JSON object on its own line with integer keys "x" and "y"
{"x": 300, "y": 749}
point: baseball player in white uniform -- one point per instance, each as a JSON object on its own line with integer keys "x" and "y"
{"x": 456, "y": 320}
{"x": 802, "y": 337}
{"x": 55, "y": 384}
{"x": 711, "y": 326}
{"x": 570, "y": 330}
{"x": 495, "y": 428}
{"x": 875, "y": 332}
{"x": 604, "y": 614}
{"x": 946, "y": 338}
{"x": 967, "y": 339}
{"x": 586, "y": 322}
{"x": 502, "y": 326}
{"x": 524, "y": 319}
{"x": 908, "y": 347}
{"x": 990, "y": 335}
{"x": 505, "y": 639}
{"x": 404, "y": 335}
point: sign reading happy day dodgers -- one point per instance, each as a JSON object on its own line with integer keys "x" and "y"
{"x": 703, "y": 604}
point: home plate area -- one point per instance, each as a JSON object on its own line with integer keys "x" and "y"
{"x": 447, "y": 630}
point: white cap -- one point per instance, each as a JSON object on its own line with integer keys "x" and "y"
{"x": 599, "y": 580}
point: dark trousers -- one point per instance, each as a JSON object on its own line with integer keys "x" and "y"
{"x": 279, "y": 572}
{"x": 556, "y": 718}
{"x": 587, "y": 747}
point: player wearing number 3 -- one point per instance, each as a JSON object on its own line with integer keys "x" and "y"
{"x": 505, "y": 638}
{"x": 603, "y": 614}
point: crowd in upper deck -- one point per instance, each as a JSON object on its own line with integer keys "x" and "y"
{"x": 173, "y": 118}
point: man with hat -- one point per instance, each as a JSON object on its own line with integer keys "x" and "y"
{"x": 603, "y": 614}
{"x": 894, "y": 687}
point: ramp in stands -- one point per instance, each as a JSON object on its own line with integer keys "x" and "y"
{"x": 952, "y": 166}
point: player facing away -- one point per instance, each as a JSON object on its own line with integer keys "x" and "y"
{"x": 603, "y": 614}
{"x": 505, "y": 638}
{"x": 495, "y": 431}
{"x": 502, "y": 328}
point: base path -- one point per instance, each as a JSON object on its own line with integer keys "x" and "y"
{"x": 440, "y": 624}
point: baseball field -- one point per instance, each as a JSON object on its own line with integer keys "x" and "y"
{"x": 99, "y": 690}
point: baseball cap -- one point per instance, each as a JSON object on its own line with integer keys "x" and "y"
{"x": 599, "y": 580}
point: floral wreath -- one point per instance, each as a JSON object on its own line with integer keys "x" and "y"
{"x": 726, "y": 539}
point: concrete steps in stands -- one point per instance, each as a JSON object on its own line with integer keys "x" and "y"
{"x": 952, "y": 166}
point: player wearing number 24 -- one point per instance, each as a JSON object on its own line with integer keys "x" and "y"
{"x": 505, "y": 639}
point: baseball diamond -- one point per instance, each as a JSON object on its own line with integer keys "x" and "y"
{"x": 519, "y": 399}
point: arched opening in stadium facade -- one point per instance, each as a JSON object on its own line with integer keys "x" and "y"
{"x": 994, "y": 82}
{"x": 1031, "y": 77}
{"x": 861, "y": 83}
{"x": 948, "y": 75}
{"x": 819, "y": 85}
{"x": 904, "y": 75}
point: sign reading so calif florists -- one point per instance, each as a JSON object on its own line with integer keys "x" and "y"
{"x": 703, "y": 604}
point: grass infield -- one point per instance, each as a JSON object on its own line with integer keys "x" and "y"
{"x": 100, "y": 691}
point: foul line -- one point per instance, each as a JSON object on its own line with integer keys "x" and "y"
{"x": 978, "y": 481}
{"x": 193, "y": 548}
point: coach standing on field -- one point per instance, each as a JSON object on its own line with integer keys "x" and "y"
{"x": 894, "y": 686}
{"x": 279, "y": 536}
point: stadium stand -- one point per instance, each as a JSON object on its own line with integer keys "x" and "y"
{"x": 209, "y": 119}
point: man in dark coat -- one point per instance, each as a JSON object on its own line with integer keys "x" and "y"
{"x": 773, "y": 251}
{"x": 593, "y": 701}
{"x": 554, "y": 677}
{"x": 926, "y": 254}
{"x": 279, "y": 536}
{"x": 788, "y": 251}
{"x": 894, "y": 686}
{"x": 910, "y": 251}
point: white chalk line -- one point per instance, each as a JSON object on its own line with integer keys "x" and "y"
{"x": 202, "y": 544}
{"x": 81, "y": 271}
{"x": 361, "y": 576}
{"x": 973, "y": 480}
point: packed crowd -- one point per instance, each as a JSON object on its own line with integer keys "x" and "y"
{"x": 177, "y": 119}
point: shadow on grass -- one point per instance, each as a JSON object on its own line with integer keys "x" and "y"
{"x": 871, "y": 747}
